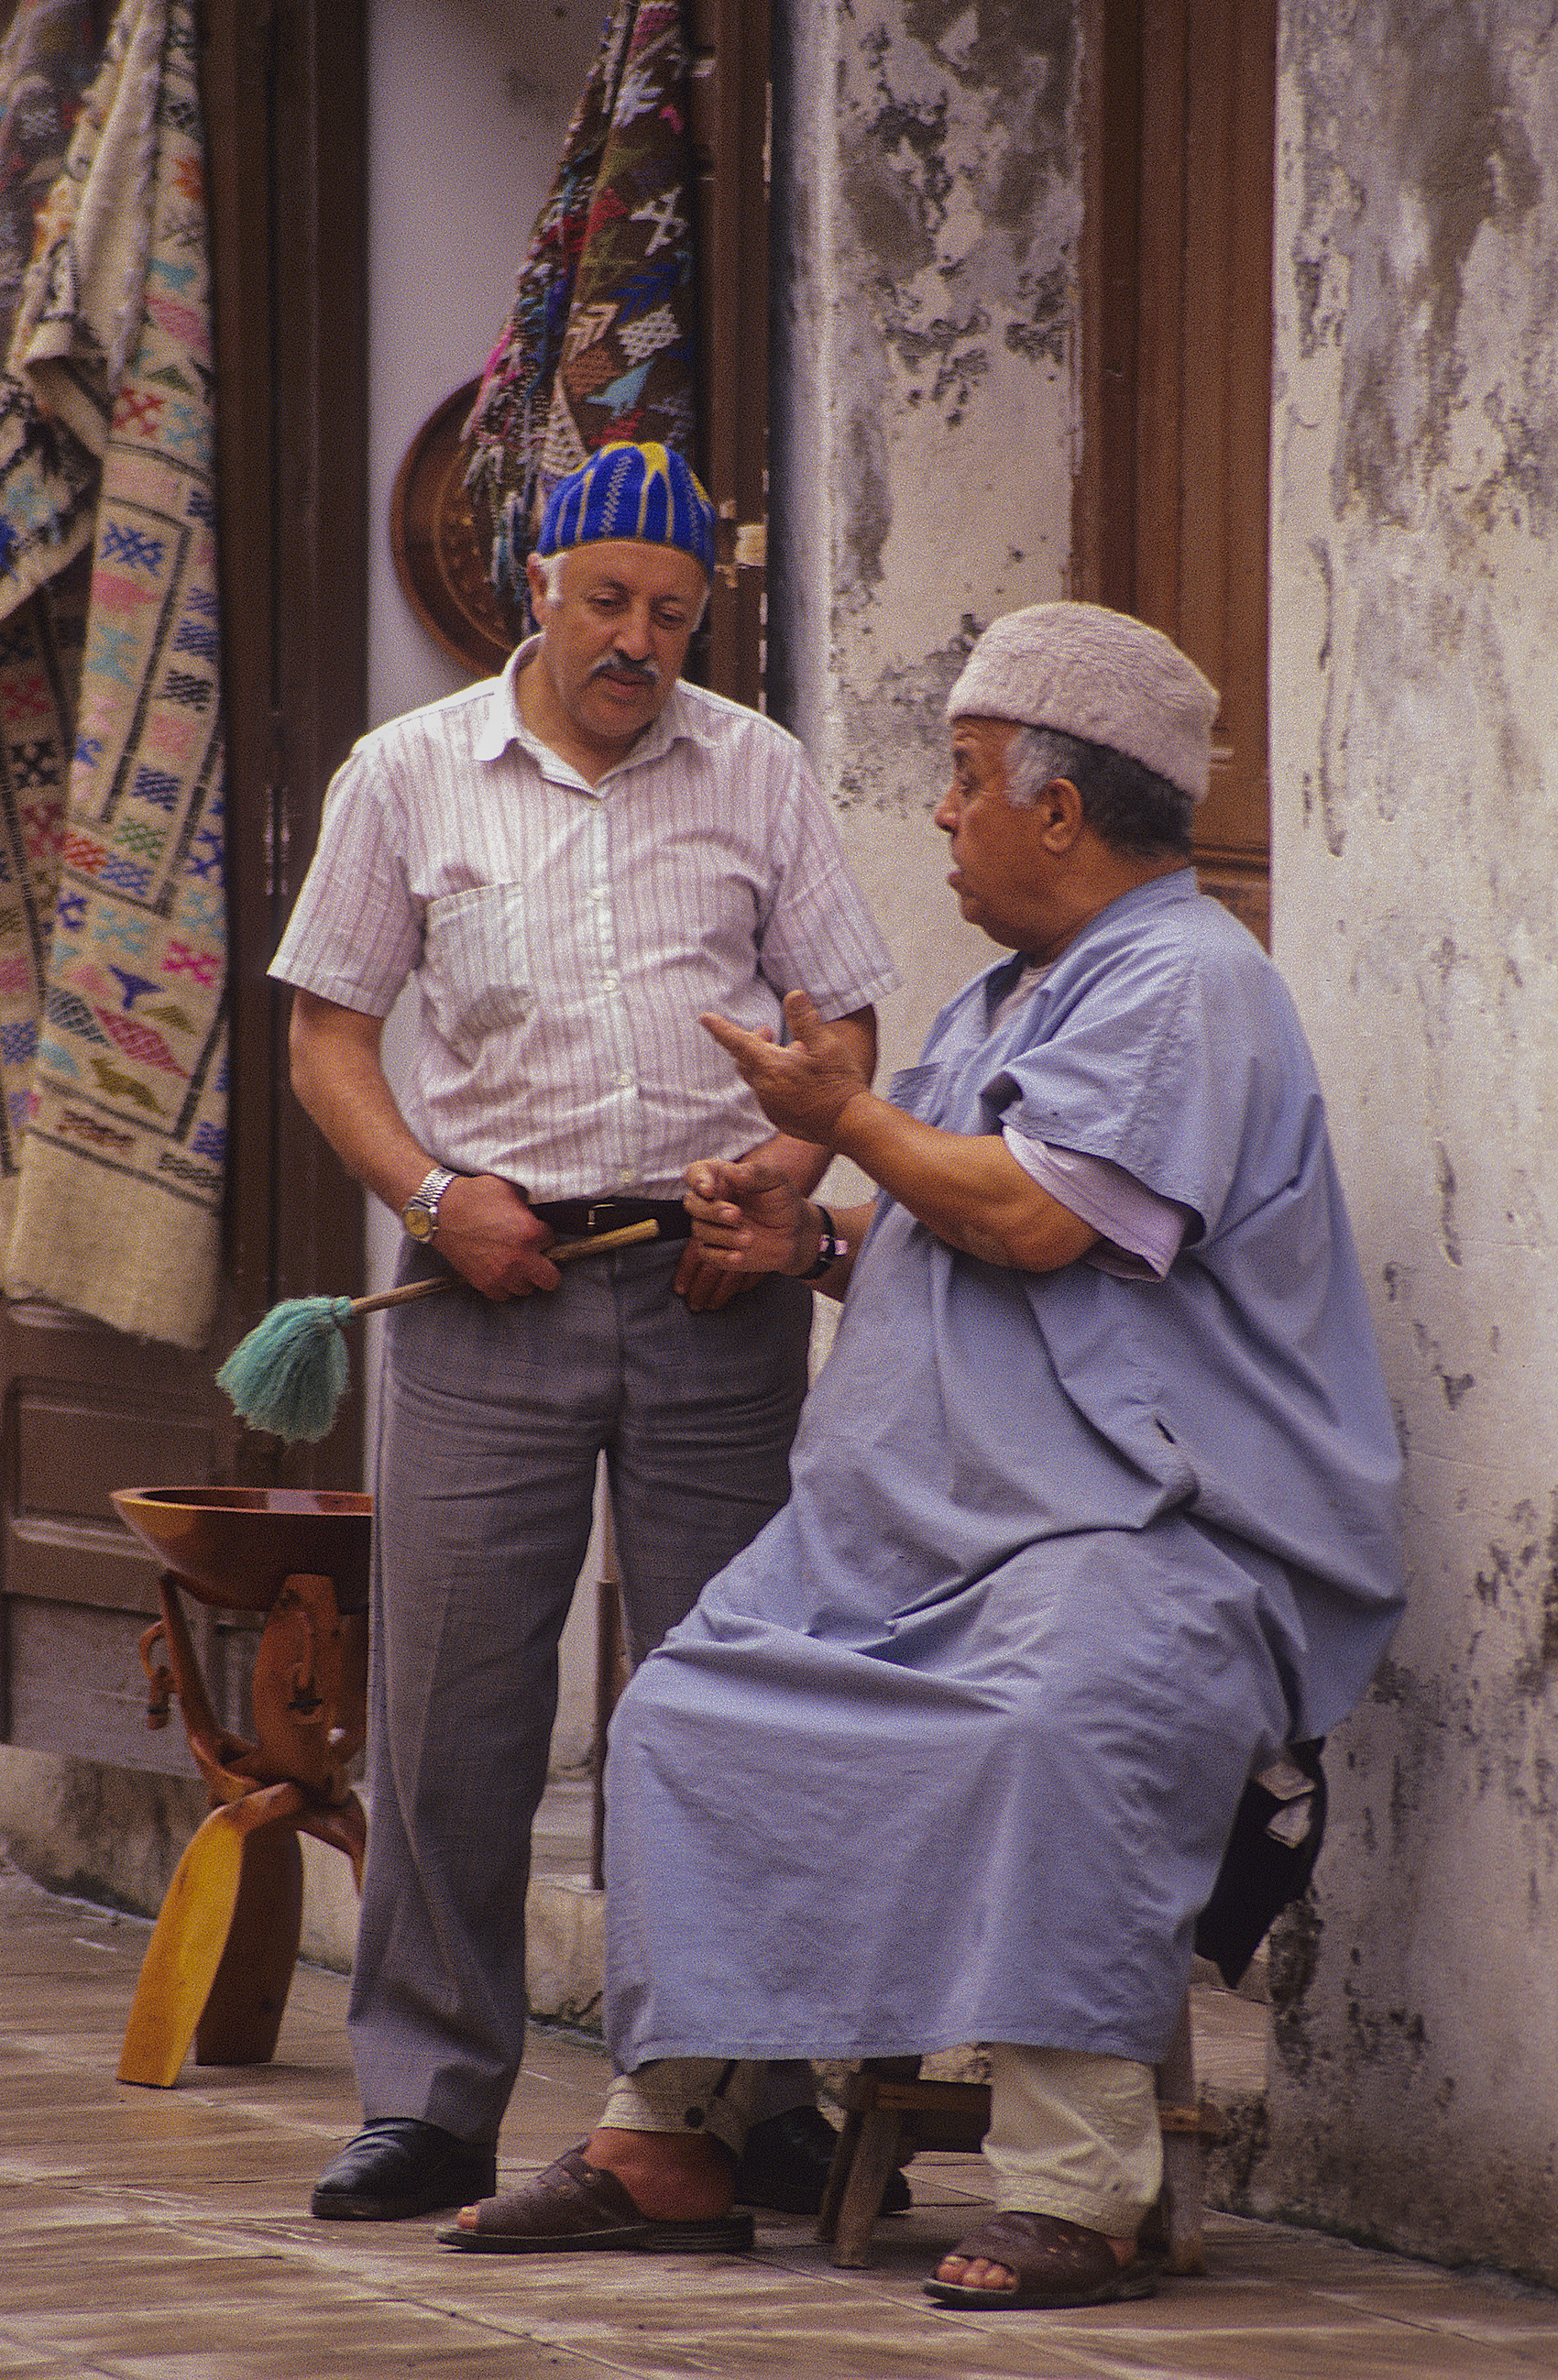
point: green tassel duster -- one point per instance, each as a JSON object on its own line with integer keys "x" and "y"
{"x": 289, "y": 1375}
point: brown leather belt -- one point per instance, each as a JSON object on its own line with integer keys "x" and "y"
{"x": 586, "y": 1219}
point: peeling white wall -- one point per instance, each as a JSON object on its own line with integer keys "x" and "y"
{"x": 1415, "y": 788}
{"x": 927, "y": 217}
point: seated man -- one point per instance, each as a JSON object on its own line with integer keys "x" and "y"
{"x": 1092, "y": 1512}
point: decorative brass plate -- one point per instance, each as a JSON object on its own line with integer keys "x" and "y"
{"x": 438, "y": 557}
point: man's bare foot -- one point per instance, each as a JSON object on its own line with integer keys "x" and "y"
{"x": 979, "y": 2273}
{"x": 671, "y": 2177}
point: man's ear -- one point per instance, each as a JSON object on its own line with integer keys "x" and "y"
{"x": 536, "y": 578}
{"x": 1060, "y": 813}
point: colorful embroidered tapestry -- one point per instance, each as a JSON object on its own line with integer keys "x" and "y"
{"x": 598, "y": 343}
{"x": 107, "y": 450}
{"x": 49, "y": 58}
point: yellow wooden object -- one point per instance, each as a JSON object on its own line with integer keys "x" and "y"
{"x": 191, "y": 1935}
{"x": 219, "y": 1964}
{"x": 184, "y": 1952}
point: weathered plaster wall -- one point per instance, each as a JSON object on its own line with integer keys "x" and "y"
{"x": 1414, "y": 615}
{"x": 927, "y": 213}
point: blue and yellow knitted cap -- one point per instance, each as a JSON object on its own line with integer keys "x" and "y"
{"x": 639, "y": 492}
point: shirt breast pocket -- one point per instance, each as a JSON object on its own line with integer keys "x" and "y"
{"x": 476, "y": 965}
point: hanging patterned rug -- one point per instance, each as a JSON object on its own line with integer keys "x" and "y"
{"x": 599, "y": 341}
{"x": 48, "y": 60}
{"x": 114, "y": 1190}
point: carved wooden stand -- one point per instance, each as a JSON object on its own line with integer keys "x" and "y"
{"x": 219, "y": 1961}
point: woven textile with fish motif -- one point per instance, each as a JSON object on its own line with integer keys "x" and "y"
{"x": 106, "y": 452}
{"x": 598, "y": 343}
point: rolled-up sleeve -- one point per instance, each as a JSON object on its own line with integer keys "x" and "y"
{"x": 817, "y": 936}
{"x": 355, "y": 933}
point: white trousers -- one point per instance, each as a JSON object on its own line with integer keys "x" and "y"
{"x": 1070, "y": 2134}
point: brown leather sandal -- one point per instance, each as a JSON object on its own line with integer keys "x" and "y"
{"x": 570, "y": 2206}
{"x": 1056, "y": 2264}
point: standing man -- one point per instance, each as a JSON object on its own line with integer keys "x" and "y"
{"x": 569, "y": 862}
{"x": 1094, "y": 1511}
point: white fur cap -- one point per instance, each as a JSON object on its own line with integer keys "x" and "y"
{"x": 1098, "y": 675}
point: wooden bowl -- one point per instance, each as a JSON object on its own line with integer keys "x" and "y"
{"x": 237, "y": 1546}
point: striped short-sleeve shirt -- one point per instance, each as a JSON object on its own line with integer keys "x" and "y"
{"x": 563, "y": 938}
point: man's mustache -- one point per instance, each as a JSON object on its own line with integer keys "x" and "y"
{"x": 618, "y": 665}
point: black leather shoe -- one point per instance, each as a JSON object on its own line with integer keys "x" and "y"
{"x": 785, "y": 2164}
{"x": 399, "y": 2166}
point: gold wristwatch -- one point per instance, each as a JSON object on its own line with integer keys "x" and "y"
{"x": 419, "y": 1213}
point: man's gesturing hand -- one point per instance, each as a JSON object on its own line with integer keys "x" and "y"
{"x": 748, "y": 1216}
{"x": 804, "y": 1087}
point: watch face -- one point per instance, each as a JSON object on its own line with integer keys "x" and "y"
{"x": 419, "y": 1223}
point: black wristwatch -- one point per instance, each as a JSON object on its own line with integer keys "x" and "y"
{"x": 830, "y": 1248}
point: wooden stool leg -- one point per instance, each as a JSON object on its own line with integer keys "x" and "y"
{"x": 1184, "y": 2152}
{"x": 838, "y": 2175}
{"x": 242, "y": 2016}
{"x": 184, "y": 1953}
{"x": 875, "y": 2158}
{"x": 190, "y": 1936}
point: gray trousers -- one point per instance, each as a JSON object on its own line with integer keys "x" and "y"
{"x": 493, "y": 1419}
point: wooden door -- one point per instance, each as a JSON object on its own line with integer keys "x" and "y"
{"x": 1172, "y": 500}
{"x": 729, "y": 111}
{"x": 85, "y": 1409}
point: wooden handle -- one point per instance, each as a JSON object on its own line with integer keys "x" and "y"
{"x": 404, "y": 1293}
{"x": 562, "y": 1253}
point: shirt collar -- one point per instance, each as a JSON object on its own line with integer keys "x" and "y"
{"x": 502, "y": 725}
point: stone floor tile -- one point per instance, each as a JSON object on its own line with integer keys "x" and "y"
{"x": 484, "y": 2361}
{"x": 1466, "y": 2311}
{"x": 1305, "y": 2350}
{"x": 164, "y": 2236}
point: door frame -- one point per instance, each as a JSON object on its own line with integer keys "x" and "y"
{"x": 285, "y": 85}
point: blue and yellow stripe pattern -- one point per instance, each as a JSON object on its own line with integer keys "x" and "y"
{"x": 647, "y": 492}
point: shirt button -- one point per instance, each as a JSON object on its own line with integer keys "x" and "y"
{"x": 611, "y": 981}
{"x": 624, "y": 1082}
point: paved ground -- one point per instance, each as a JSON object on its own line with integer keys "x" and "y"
{"x": 161, "y": 2236}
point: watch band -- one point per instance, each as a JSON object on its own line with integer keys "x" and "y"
{"x": 830, "y": 1248}
{"x": 419, "y": 1214}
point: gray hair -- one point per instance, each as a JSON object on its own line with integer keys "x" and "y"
{"x": 1034, "y": 756}
{"x": 551, "y": 569}
{"x": 1127, "y": 805}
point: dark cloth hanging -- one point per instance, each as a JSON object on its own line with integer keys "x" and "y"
{"x": 598, "y": 344}
{"x": 1270, "y": 1859}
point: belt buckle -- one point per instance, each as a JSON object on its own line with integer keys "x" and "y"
{"x": 598, "y": 1207}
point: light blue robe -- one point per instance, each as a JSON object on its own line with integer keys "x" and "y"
{"x": 951, "y": 1752}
